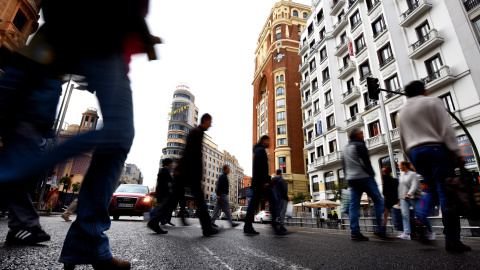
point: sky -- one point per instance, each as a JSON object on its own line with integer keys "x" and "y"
{"x": 210, "y": 46}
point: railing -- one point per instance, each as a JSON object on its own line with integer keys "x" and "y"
{"x": 395, "y": 133}
{"x": 344, "y": 42}
{"x": 315, "y": 46}
{"x": 390, "y": 94}
{"x": 342, "y": 18}
{"x": 352, "y": 119}
{"x": 470, "y": 4}
{"x": 323, "y": 59}
{"x": 432, "y": 34}
{"x": 360, "y": 49}
{"x": 350, "y": 3}
{"x": 381, "y": 30}
{"x": 303, "y": 82}
{"x": 349, "y": 64}
{"x": 335, "y": 4}
{"x": 386, "y": 61}
{"x": 308, "y": 142}
{"x": 374, "y": 5}
{"x": 328, "y": 103}
{"x": 410, "y": 10}
{"x": 364, "y": 77}
{"x": 346, "y": 94}
{"x": 315, "y": 90}
{"x": 310, "y": 32}
{"x": 301, "y": 65}
{"x": 325, "y": 80}
{"x": 320, "y": 20}
{"x": 331, "y": 127}
{"x": 315, "y": 112}
{"x": 371, "y": 105}
{"x": 437, "y": 74}
{"x": 356, "y": 24}
{"x": 329, "y": 185}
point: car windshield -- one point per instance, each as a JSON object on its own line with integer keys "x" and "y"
{"x": 244, "y": 208}
{"x": 266, "y": 212}
{"x": 132, "y": 189}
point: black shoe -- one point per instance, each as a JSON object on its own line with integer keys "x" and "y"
{"x": 250, "y": 231}
{"x": 381, "y": 235}
{"x": 282, "y": 233}
{"x": 235, "y": 224}
{"x": 156, "y": 228}
{"x": 214, "y": 225}
{"x": 359, "y": 237}
{"x": 171, "y": 224}
{"x": 212, "y": 231}
{"x": 457, "y": 248}
{"x": 27, "y": 236}
{"x": 282, "y": 229}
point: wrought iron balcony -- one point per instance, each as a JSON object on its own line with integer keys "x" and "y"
{"x": 352, "y": 93}
{"x": 425, "y": 44}
{"x": 379, "y": 32}
{"x": 386, "y": 61}
{"x": 471, "y": 4}
{"x": 302, "y": 66}
{"x": 360, "y": 49}
{"x": 364, "y": 77}
{"x": 354, "y": 121}
{"x": 374, "y": 5}
{"x": 339, "y": 25}
{"x": 325, "y": 80}
{"x": 390, "y": 94}
{"x": 342, "y": 47}
{"x": 354, "y": 26}
{"x": 371, "y": 105}
{"x": 413, "y": 13}
{"x": 331, "y": 127}
{"x": 336, "y": 6}
{"x": 328, "y": 103}
{"x": 345, "y": 70}
{"x": 438, "y": 79}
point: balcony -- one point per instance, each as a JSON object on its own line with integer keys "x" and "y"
{"x": 306, "y": 103}
{"x": 386, "y": 62}
{"x": 311, "y": 167}
{"x": 325, "y": 80}
{"x": 332, "y": 127}
{"x": 351, "y": 94}
{"x": 302, "y": 66}
{"x": 375, "y": 142}
{"x": 379, "y": 33}
{"x": 354, "y": 121}
{"x": 357, "y": 23}
{"x": 314, "y": 90}
{"x": 413, "y": 13}
{"x": 391, "y": 95}
{"x": 319, "y": 162}
{"x": 317, "y": 111}
{"x": 351, "y": 5}
{"x": 339, "y": 25}
{"x": 364, "y": 77}
{"x": 312, "y": 69}
{"x": 471, "y": 4}
{"x": 342, "y": 47}
{"x": 308, "y": 122}
{"x": 373, "y": 7}
{"x": 438, "y": 79}
{"x": 302, "y": 49}
{"x": 425, "y": 44}
{"x": 319, "y": 21}
{"x": 347, "y": 69}
{"x": 309, "y": 144}
{"x": 336, "y": 6}
{"x": 315, "y": 47}
{"x": 333, "y": 158}
{"x": 305, "y": 83}
{"x": 328, "y": 103}
{"x": 372, "y": 105}
{"x": 395, "y": 134}
{"x": 360, "y": 50}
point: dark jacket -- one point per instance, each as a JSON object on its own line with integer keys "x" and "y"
{"x": 390, "y": 189}
{"x": 281, "y": 188}
{"x": 191, "y": 164}
{"x": 356, "y": 161}
{"x": 222, "y": 184}
{"x": 164, "y": 183}
{"x": 260, "y": 174}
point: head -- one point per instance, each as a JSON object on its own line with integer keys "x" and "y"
{"x": 265, "y": 141}
{"x": 226, "y": 169}
{"x": 405, "y": 166}
{"x": 415, "y": 88}
{"x": 206, "y": 121}
{"x": 168, "y": 162}
{"x": 356, "y": 134}
{"x": 279, "y": 172}
{"x": 386, "y": 170}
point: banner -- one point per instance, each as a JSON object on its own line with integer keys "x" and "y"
{"x": 350, "y": 48}
{"x": 467, "y": 150}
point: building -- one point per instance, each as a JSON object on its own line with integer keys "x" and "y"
{"x": 244, "y": 190}
{"x": 133, "y": 174}
{"x": 276, "y": 97}
{"x": 18, "y": 20}
{"x": 235, "y": 177}
{"x": 346, "y": 41}
{"x": 212, "y": 168}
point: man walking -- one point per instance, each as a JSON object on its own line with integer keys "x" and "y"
{"x": 222, "y": 198}
{"x": 281, "y": 190}
{"x": 191, "y": 171}
{"x": 360, "y": 178}
{"x": 429, "y": 140}
{"x": 261, "y": 186}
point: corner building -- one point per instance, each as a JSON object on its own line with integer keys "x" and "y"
{"x": 346, "y": 41}
{"x": 276, "y": 97}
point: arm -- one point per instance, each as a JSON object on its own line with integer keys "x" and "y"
{"x": 285, "y": 188}
{"x": 413, "y": 180}
{"x": 363, "y": 154}
{"x": 445, "y": 129}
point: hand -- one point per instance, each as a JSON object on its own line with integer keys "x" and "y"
{"x": 266, "y": 185}
{"x": 156, "y": 40}
{"x": 407, "y": 196}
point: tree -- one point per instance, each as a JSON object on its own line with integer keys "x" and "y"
{"x": 337, "y": 191}
{"x": 66, "y": 181}
{"x": 301, "y": 197}
{"x": 75, "y": 187}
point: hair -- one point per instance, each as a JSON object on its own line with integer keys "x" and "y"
{"x": 263, "y": 138}
{"x": 205, "y": 117}
{"x": 279, "y": 172}
{"x": 415, "y": 88}
{"x": 354, "y": 133}
{"x": 225, "y": 167}
{"x": 167, "y": 162}
{"x": 408, "y": 165}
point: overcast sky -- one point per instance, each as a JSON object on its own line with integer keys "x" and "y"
{"x": 209, "y": 45}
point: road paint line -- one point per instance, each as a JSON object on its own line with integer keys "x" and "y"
{"x": 217, "y": 258}
{"x": 187, "y": 234}
{"x": 275, "y": 260}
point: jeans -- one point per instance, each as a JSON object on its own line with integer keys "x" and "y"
{"x": 357, "y": 187}
{"x": 282, "y": 208}
{"x": 202, "y": 210}
{"x": 435, "y": 164}
{"x": 270, "y": 196}
{"x": 406, "y": 204}
{"x": 397, "y": 220}
{"x": 223, "y": 204}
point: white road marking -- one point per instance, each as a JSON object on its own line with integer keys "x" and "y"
{"x": 217, "y": 258}
{"x": 275, "y": 260}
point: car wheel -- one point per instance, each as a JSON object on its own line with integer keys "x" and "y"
{"x": 116, "y": 217}
{"x": 261, "y": 220}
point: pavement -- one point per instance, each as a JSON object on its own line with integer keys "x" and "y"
{"x": 186, "y": 248}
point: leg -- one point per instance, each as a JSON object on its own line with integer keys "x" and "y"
{"x": 282, "y": 208}
{"x": 224, "y": 204}
{"x": 385, "y": 217}
{"x": 374, "y": 193}
{"x": 396, "y": 215}
{"x": 72, "y": 207}
{"x": 271, "y": 197}
{"x": 405, "y": 216}
{"x": 216, "y": 211}
{"x": 202, "y": 210}
{"x": 356, "y": 191}
{"x": 252, "y": 207}
{"x": 22, "y": 214}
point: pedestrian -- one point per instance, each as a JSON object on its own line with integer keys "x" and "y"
{"x": 409, "y": 194}
{"x": 178, "y": 198}
{"x": 281, "y": 190}
{"x": 360, "y": 178}
{"x": 164, "y": 191}
{"x": 222, "y": 198}
{"x": 390, "y": 193}
{"x": 191, "y": 172}
{"x": 35, "y": 83}
{"x": 261, "y": 186}
{"x": 429, "y": 140}
{"x": 71, "y": 208}
{"x": 335, "y": 217}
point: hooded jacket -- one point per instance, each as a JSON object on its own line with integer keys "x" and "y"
{"x": 356, "y": 160}
{"x": 260, "y": 174}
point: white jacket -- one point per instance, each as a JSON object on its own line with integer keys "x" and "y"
{"x": 409, "y": 184}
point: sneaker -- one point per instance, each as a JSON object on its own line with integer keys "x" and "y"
{"x": 27, "y": 236}
{"x": 66, "y": 217}
{"x": 250, "y": 231}
{"x": 171, "y": 224}
{"x": 212, "y": 231}
{"x": 404, "y": 236}
{"x": 431, "y": 236}
{"x": 235, "y": 224}
{"x": 156, "y": 228}
{"x": 457, "y": 247}
{"x": 359, "y": 237}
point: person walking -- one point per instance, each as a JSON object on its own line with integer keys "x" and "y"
{"x": 164, "y": 190}
{"x": 428, "y": 139}
{"x": 261, "y": 186}
{"x": 178, "y": 198}
{"x": 281, "y": 190}
{"x": 191, "y": 171}
{"x": 222, "y": 198}
{"x": 409, "y": 194}
{"x": 390, "y": 193}
{"x": 360, "y": 178}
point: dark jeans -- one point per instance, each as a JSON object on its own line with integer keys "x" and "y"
{"x": 202, "y": 209}
{"x": 270, "y": 196}
{"x": 435, "y": 164}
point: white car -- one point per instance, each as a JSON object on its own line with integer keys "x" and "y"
{"x": 240, "y": 213}
{"x": 263, "y": 217}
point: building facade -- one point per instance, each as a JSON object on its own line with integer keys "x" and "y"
{"x": 133, "y": 174}
{"x": 235, "y": 177}
{"x": 276, "y": 97}
{"x": 346, "y": 41}
{"x": 212, "y": 168}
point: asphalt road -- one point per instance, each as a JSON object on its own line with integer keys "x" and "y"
{"x": 186, "y": 248}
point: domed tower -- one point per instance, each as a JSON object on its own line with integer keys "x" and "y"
{"x": 89, "y": 120}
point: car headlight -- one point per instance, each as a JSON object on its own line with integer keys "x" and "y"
{"x": 146, "y": 199}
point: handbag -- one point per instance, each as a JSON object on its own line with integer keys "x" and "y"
{"x": 289, "y": 212}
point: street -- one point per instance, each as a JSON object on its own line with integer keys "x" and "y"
{"x": 186, "y": 248}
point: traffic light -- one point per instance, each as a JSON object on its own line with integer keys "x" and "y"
{"x": 372, "y": 87}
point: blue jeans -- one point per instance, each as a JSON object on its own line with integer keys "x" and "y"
{"x": 435, "y": 164}
{"x": 357, "y": 187}
{"x": 406, "y": 204}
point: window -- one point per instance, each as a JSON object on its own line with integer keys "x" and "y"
{"x": 310, "y": 29}
{"x": 312, "y": 43}
{"x": 422, "y": 31}
{"x": 412, "y": 3}
{"x": 371, "y": 4}
{"x": 282, "y": 78}
{"x": 278, "y": 36}
{"x": 323, "y": 54}
{"x": 282, "y": 142}
{"x": 343, "y": 37}
{"x": 378, "y": 26}
{"x": 282, "y": 162}
{"x": 323, "y": 33}
{"x": 262, "y": 129}
{"x": 341, "y": 177}
{"x": 330, "y": 121}
{"x": 280, "y": 91}
{"x": 477, "y": 24}
{"x": 313, "y": 66}
{"x": 353, "y": 110}
{"x": 315, "y": 84}
{"x": 20, "y": 20}
{"x": 295, "y": 13}
{"x": 325, "y": 75}
{"x": 364, "y": 71}
{"x": 316, "y": 105}
{"x": 315, "y": 183}
{"x": 374, "y": 128}
{"x": 262, "y": 117}
{"x": 305, "y": 15}
{"x": 280, "y": 116}
{"x": 332, "y": 146}
{"x": 280, "y": 103}
{"x": 448, "y": 101}
{"x": 282, "y": 129}
{"x": 329, "y": 177}
{"x": 433, "y": 64}
{"x": 320, "y": 16}
{"x": 394, "y": 119}
{"x": 328, "y": 97}
{"x": 350, "y": 84}
{"x": 345, "y": 60}
{"x": 359, "y": 44}
{"x": 277, "y": 79}
{"x": 312, "y": 157}
{"x": 320, "y": 151}
{"x": 86, "y": 121}
{"x": 392, "y": 83}
{"x": 355, "y": 19}
{"x": 385, "y": 55}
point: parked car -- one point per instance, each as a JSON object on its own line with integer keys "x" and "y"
{"x": 130, "y": 200}
{"x": 263, "y": 217}
{"x": 240, "y": 213}
{"x": 186, "y": 213}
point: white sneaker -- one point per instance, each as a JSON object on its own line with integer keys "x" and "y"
{"x": 431, "y": 236}
{"x": 404, "y": 236}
